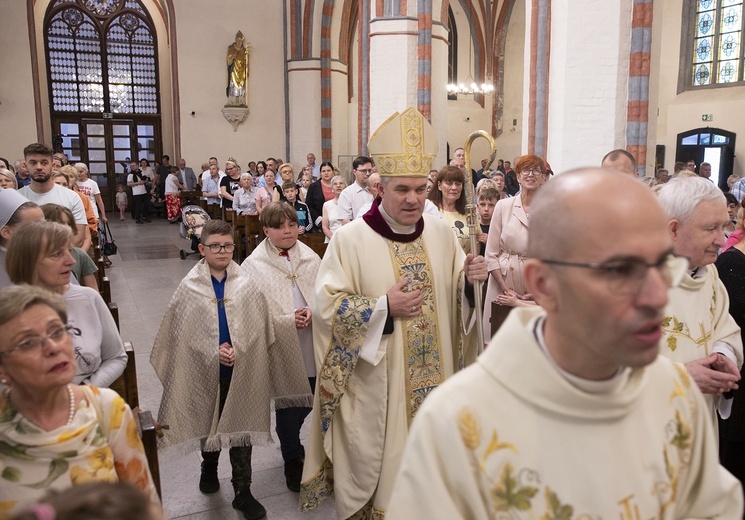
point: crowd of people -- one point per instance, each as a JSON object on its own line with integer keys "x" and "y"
{"x": 611, "y": 387}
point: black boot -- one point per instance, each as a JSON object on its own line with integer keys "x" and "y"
{"x": 293, "y": 474}
{"x": 208, "y": 481}
{"x": 245, "y": 502}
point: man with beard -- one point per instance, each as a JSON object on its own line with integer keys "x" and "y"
{"x": 42, "y": 189}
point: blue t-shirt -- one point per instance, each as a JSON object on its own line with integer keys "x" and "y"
{"x": 222, "y": 322}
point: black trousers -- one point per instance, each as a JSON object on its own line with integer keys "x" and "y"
{"x": 289, "y": 423}
{"x": 240, "y": 457}
{"x": 140, "y": 206}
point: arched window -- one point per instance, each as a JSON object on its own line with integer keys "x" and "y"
{"x": 102, "y": 69}
{"x": 86, "y": 76}
{"x": 717, "y": 42}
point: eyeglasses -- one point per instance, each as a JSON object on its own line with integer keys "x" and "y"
{"x": 368, "y": 171}
{"x": 627, "y": 276}
{"x": 216, "y": 248}
{"x": 533, "y": 172}
{"x": 31, "y": 344}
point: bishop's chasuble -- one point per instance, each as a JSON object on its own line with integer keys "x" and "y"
{"x": 511, "y": 437}
{"x": 697, "y": 323}
{"x": 370, "y": 385}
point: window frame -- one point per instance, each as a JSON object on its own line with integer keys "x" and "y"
{"x": 103, "y": 24}
{"x": 687, "y": 52}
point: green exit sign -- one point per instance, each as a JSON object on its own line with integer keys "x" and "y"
{"x": 707, "y": 117}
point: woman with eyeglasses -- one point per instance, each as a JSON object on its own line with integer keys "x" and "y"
{"x": 508, "y": 239}
{"x": 40, "y": 255}
{"x": 56, "y": 434}
{"x": 450, "y": 198}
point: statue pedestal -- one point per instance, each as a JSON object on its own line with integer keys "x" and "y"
{"x": 235, "y": 115}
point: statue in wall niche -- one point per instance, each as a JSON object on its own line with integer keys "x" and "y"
{"x": 237, "y": 60}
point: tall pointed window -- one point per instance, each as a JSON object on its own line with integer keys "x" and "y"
{"x": 717, "y": 42}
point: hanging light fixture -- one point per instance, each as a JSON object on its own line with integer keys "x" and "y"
{"x": 469, "y": 88}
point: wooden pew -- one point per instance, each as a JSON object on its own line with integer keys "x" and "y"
{"x": 315, "y": 241}
{"x": 126, "y": 386}
{"x": 254, "y": 232}
{"x": 105, "y": 289}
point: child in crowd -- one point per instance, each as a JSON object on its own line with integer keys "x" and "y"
{"x": 121, "y": 200}
{"x": 285, "y": 270}
{"x": 488, "y": 198}
{"x": 305, "y": 181}
{"x": 211, "y": 355}
{"x": 305, "y": 224}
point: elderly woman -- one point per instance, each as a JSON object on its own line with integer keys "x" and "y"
{"x": 286, "y": 173}
{"x": 70, "y": 174}
{"x": 331, "y": 216}
{"x": 56, "y": 434}
{"x": 15, "y": 209}
{"x": 244, "y": 198}
{"x": 450, "y": 198}
{"x": 84, "y": 271}
{"x": 40, "y": 255}
{"x": 8, "y": 179}
{"x": 89, "y": 188}
{"x": 173, "y": 199}
{"x": 508, "y": 236}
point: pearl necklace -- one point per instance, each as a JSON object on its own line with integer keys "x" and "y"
{"x": 72, "y": 404}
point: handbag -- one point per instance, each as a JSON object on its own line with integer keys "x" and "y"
{"x": 109, "y": 247}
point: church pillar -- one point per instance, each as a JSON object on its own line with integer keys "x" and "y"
{"x": 588, "y": 75}
{"x": 408, "y": 67}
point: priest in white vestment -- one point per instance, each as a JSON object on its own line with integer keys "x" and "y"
{"x": 699, "y": 330}
{"x": 390, "y": 324}
{"x": 570, "y": 412}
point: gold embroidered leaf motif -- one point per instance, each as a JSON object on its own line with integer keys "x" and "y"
{"x": 555, "y": 509}
{"x": 677, "y": 325}
{"x": 669, "y": 469}
{"x": 684, "y": 377}
{"x": 509, "y": 494}
{"x": 682, "y": 438}
{"x": 469, "y": 429}
{"x": 678, "y": 392}
{"x": 495, "y": 445}
{"x": 672, "y": 343}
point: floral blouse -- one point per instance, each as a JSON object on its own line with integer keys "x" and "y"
{"x": 99, "y": 445}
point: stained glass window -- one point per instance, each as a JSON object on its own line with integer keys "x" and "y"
{"x": 102, "y": 57}
{"x": 717, "y": 42}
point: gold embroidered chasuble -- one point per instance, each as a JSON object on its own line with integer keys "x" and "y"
{"x": 697, "y": 316}
{"x": 511, "y": 438}
{"x": 362, "y": 412}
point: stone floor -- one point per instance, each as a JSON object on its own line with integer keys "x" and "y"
{"x": 144, "y": 276}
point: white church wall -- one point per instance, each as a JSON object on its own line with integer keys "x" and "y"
{"x": 17, "y": 114}
{"x": 588, "y": 81}
{"x": 205, "y": 30}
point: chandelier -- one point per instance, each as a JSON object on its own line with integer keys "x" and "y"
{"x": 469, "y": 88}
